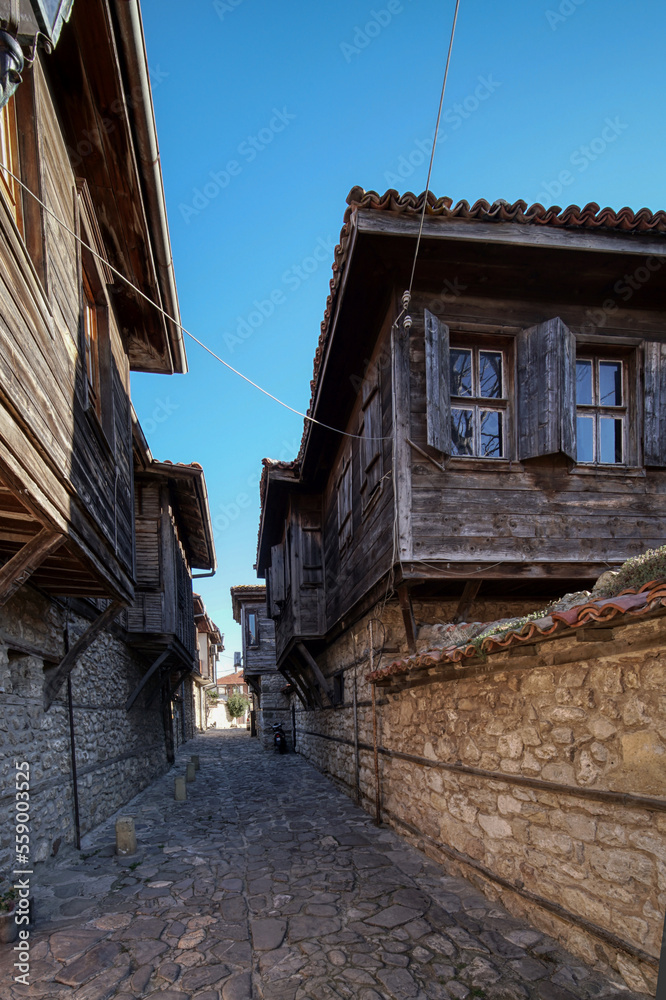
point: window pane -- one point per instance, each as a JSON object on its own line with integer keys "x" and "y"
{"x": 584, "y": 386}
{"x": 462, "y": 432}
{"x": 610, "y": 383}
{"x": 490, "y": 374}
{"x": 585, "y": 439}
{"x": 491, "y": 434}
{"x": 461, "y": 372}
{"x": 610, "y": 440}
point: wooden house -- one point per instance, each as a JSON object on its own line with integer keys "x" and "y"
{"x": 79, "y": 133}
{"x": 210, "y": 644}
{"x": 173, "y": 537}
{"x": 270, "y": 704}
{"x": 504, "y": 431}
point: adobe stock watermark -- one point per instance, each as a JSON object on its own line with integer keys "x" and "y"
{"x": 453, "y": 116}
{"x": 224, "y": 7}
{"x": 160, "y": 414}
{"x": 366, "y": 33}
{"x": 247, "y": 150}
{"x": 560, "y": 16}
{"x": 625, "y": 288}
{"x": 582, "y": 157}
{"x": 227, "y": 513}
{"x": 291, "y": 279}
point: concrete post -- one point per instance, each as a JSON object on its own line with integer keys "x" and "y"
{"x": 180, "y": 790}
{"x": 190, "y": 773}
{"x": 195, "y": 760}
{"x": 125, "y": 836}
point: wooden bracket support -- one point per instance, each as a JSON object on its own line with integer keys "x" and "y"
{"x": 22, "y": 565}
{"x": 470, "y": 590}
{"x": 67, "y": 664}
{"x": 404, "y": 597}
{"x": 314, "y": 666}
{"x": 290, "y": 676}
{"x": 146, "y": 677}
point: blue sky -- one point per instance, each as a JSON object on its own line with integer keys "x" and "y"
{"x": 268, "y": 114}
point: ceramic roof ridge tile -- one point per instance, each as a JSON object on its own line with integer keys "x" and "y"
{"x": 630, "y": 604}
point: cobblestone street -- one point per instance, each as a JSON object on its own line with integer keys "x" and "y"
{"x": 269, "y": 883}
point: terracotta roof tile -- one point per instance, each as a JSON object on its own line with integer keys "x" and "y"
{"x": 626, "y": 607}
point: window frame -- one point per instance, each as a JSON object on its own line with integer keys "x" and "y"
{"x": 249, "y": 634}
{"x": 10, "y": 158}
{"x": 597, "y": 410}
{"x": 477, "y": 403}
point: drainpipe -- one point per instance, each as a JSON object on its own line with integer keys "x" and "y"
{"x": 72, "y": 744}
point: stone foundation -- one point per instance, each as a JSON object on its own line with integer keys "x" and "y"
{"x": 118, "y": 753}
{"x": 513, "y": 757}
{"x": 273, "y": 707}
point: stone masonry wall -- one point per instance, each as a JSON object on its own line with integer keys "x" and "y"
{"x": 117, "y": 752}
{"x": 575, "y": 719}
{"x": 274, "y": 708}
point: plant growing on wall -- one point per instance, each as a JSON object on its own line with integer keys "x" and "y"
{"x": 7, "y": 898}
{"x": 237, "y": 705}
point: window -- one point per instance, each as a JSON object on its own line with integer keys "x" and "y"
{"x": 478, "y": 402}
{"x": 600, "y": 411}
{"x": 9, "y": 158}
{"x": 91, "y": 345}
{"x": 345, "y": 505}
{"x": 339, "y": 688}
{"x": 252, "y": 629}
{"x": 371, "y": 445}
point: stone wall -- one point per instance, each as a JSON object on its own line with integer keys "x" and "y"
{"x": 274, "y": 707}
{"x": 515, "y": 756}
{"x": 117, "y": 752}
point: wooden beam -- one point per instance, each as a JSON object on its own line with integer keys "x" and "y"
{"x": 314, "y": 666}
{"x": 291, "y": 678}
{"x": 404, "y": 597}
{"x": 470, "y": 590}
{"x": 69, "y": 661}
{"x": 146, "y": 677}
{"x": 21, "y": 566}
{"x": 595, "y": 634}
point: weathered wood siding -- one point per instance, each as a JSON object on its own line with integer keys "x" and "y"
{"x": 546, "y": 511}
{"x": 352, "y": 572}
{"x": 48, "y": 438}
{"x": 259, "y": 659}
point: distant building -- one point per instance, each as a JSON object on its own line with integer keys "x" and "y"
{"x": 270, "y": 704}
{"x": 210, "y": 643}
{"x": 230, "y": 684}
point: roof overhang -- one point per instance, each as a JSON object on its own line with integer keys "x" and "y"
{"x": 105, "y": 106}
{"x": 246, "y": 594}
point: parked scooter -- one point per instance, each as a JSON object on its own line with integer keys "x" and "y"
{"x": 279, "y": 738}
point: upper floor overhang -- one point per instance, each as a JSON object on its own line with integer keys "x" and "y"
{"x": 501, "y": 252}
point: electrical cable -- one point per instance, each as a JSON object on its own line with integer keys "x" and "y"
{"x": 119, "y": 274}
{"x": 434, "y": 145}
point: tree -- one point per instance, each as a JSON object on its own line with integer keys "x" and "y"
{"x": 237, "y": 705}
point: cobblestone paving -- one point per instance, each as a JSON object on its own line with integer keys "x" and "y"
{"x": 269, "y": 883}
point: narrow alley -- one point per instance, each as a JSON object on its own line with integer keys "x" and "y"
{"x": 269, "y": 883}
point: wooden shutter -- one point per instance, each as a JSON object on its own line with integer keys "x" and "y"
{"x": 655, "y": 404}
{"x": 277, "y": 574}
{"x": 312, "y": 564}
{"x": 438, "y": 384}
{"x": 546, "y": 390}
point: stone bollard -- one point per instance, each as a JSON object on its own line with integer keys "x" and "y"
{"x": 195, "y": 760}
{"x": 190, "y": 773}
{"x": 125, "y": 836}
{"x": 180, "y": 790}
